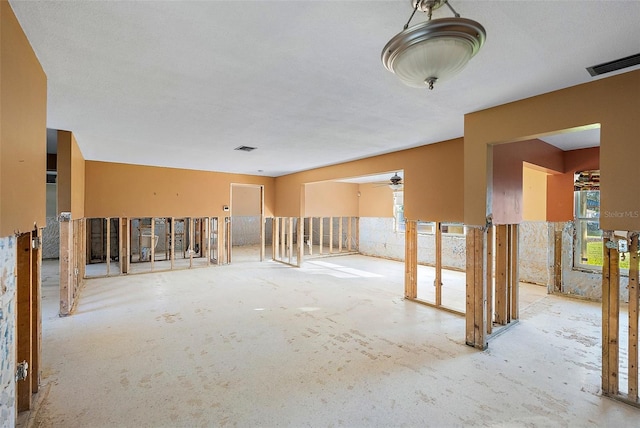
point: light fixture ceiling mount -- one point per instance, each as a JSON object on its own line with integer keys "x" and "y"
{"x": 434, "y": 50}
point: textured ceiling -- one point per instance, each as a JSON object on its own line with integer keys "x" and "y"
{"x": 181, "y": 84}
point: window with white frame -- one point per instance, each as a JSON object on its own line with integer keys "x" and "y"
{"x": 588, "y": 236}
{"x": 398, "y": 211}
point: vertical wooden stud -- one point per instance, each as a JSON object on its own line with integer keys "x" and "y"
{"x": 108, "y": 245}
{"x": 411, "y": 261}
{"x": 300, "y": 243}
{"x": 24, "y": 327}
{"x": 152, "y": 241}
{"x": 610, "y": 315}
{"x": 438, "y": 269}
{"x": 340, "y": 234}
{"x": 557, "y": 257}
{"x": 330, "y": 235}
{"x": 276, "y": 238}
{"x": 120, "y": 258}
{"x": 290, "y": 243}
{"x": 514, "y": 279}
{"x": 310, "y": 236}
{"x": 489, "y": 279}
{"x": 502, "y": 275}
{"x": 321, "y": 235}
{"x": 65, "y": 264}
{"x": 283, "y": 246}
{"x": 633, "y": 318}
{"x": 172, "y": 240}
{"x": 475, "y": 315}
{"x": 36, "y": 311}
{"x": 191, "y": 241}
{"x": 263, "y": 237}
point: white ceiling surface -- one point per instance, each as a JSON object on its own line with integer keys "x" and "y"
{"x": 181, "y": 84}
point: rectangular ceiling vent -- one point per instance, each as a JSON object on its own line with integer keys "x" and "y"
{"x": 245, "y": 148}
{"x": 618, "y": 64}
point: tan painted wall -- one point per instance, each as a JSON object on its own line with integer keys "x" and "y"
{"x": 245, "y": 200}
{"x": 560, "y": 186}
{"x": 331, "y": 199}
{"x": 123, "y": 190}
{"x": 23, "y": 139}
{"x": 507, "y": 175}
{"x": 534, "y": 194}
{"x": 613, "y": 102}
{"x": 71, "y": 175}
{"x": 433, "y": 184}
{"x": 375, "y": 201}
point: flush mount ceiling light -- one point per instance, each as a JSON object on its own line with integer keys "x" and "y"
{"x": 434, "y": 50}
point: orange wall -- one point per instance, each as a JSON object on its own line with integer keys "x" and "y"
{"x": 613, "y": 103}
{"x": 23, "y": 122}
{"x": 245, "y": 200}
{"x": 507, "y": 175}
{"x": 560, "y": 186}
{"x": 375, "y": 201}
{"x": 71, "y": 175}
{"x": 331, "y": 199}
{"x": 123, "y": 190}
{"x": 433, "y": 183}
{"x": 534, "y": 194}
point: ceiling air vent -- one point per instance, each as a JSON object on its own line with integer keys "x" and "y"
{"x": 245, "y": 148}
{"x": 618, "y": 64}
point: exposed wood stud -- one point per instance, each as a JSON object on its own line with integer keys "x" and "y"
{"x": 206, "y": 240}
{"x": 610, "y": 315}
{"x": 340, "y": 234}
{"x": 411, "y": 262}
{"x": 263, "y": 229}
{"x": 330, "y": 235}
{"x": 514, "y": 280}
{"x": 501, "y": 290}
{"x": 438, "y": 268}
{"x": 311, "y": 236}
{"x": 476, "y": 330}
{"x": 290, "y": 243}
{"x": 36, "y": 314}
{"x": 300, "y": 243}
{"x": 489, "y": 280}
{"x": 276, "y": 238}
{"x": 321, "y": 235}
{"x": 349, "y": 233}
{"x": 120, "y": 252}
{"x": 283, "y": 243}
{"x": 557, "y": 257}
{"x": 24, "y": 326}
{"x": 173, "y": 241}
{"x": 633, "y": 318}
{"x": 108, "y": 255}
{"x": 65, "y": 266}
{"x": 481, "y": 300}
{"x": 191, "y": 241}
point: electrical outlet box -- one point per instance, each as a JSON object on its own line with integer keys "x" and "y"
{"x": 622, "y": 246}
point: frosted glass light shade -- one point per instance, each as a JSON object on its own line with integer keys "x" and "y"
{"x": 439, "y": 58}
{"x": 435, "y": 50}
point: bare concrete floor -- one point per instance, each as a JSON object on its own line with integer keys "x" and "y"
{"x": 330, "y": 344}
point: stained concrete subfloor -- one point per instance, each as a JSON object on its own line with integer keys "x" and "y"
{"x": 330, "y": 344}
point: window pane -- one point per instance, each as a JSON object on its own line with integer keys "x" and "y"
{"x": 425, "y": 227}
